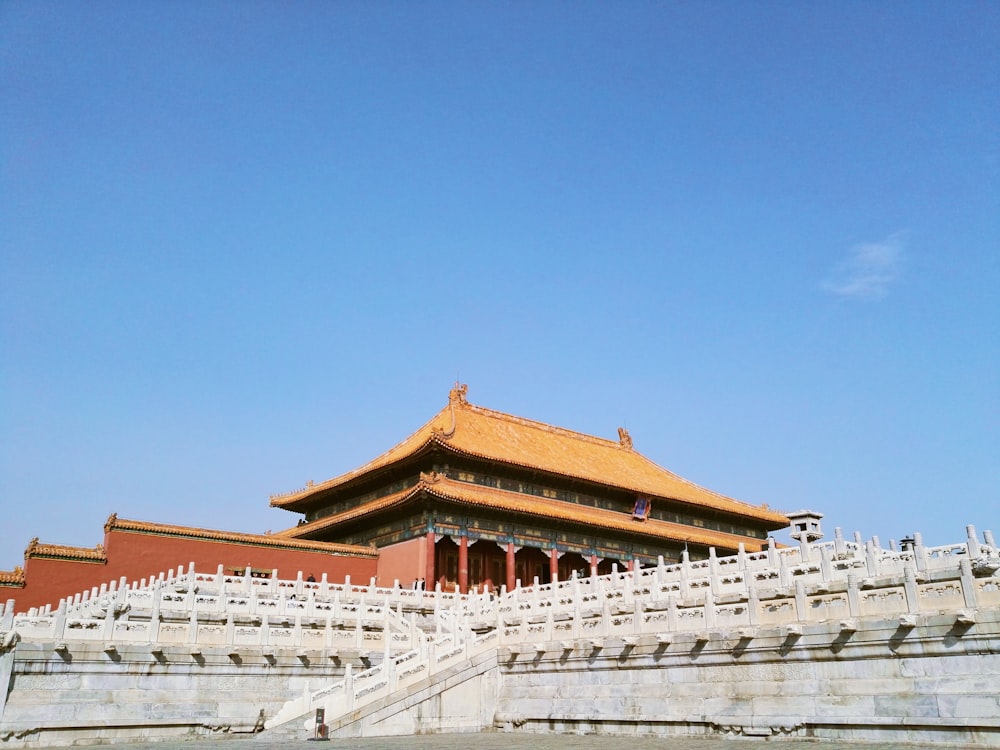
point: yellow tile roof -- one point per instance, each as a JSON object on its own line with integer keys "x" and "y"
{"x": 64, "y": 552}
{"x": 540, "y": 507}
{"x": 260, "y": 540}
{"x": 465, "y": 429}
{"x": 13, "y": 577}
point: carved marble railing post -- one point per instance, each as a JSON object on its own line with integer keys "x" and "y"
{"x": 231, "y": 631}
{"x": 265, "y": 631}
{"x": 59, "y": 626}
{"x": 919, "y": 551}
{"x": 713, "y": 571}
{"x": 870, "y": 556}
{"x": 685, "y": 574}
{"x": 784, "y": 576}
{"x": 825, "y": 564}
{"x": 671, "y": 613}
{"x": 349, "y": 687}
{"x": 772, "y": 553}
{"x": 910, "y": 587}
{"x": 968, "y": 582}
{"x": 109, "y": 622}
{"x": 805, "y": 549}
{"x": 193, "y": 627}
{"x": 801, "y": 604}
{"x": 709, "y": 607}
{"x": 853, "y": 595}
{"x": 154, "y": 615}
{"x": 839, "y": 546}
{"x": 988, "y": 538}
{"x": 972, "y": 543}
{"x": 576, "y": 629}
{"x": 358, "y": 631}
{"x": 753, "y": 604}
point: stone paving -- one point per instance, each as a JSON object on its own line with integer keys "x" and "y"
{"x": 516, "y": 741}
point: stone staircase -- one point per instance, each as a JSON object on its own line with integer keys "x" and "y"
{"x": 398, "y": 683}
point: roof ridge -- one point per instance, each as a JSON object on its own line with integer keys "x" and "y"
{"x": 544, "y": 426}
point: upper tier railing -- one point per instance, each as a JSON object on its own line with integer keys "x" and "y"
{"x": 193, "y": 608}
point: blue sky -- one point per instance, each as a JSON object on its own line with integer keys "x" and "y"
{"x": 244, "y": 245}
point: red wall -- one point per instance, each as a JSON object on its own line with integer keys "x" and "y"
{"x": 404, "y": 562}
{"x": 137, "y": 555}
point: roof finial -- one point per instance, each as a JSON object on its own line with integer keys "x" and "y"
{"x": 624, "y": 438}
{"x": 457, "y": 394}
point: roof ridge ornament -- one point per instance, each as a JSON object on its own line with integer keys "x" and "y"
{"x": 457, "y": 394}
{"x": 624, "y": 439}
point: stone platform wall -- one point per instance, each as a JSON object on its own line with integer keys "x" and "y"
{"x": 842, "y": 640}
{"x": 936, "y": 683}
{"x": 88, "y": 695}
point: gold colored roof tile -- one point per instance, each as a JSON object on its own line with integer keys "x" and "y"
{"x": 13, "y": 577}
{"x": 64, "y": 552}
{"x": 475, "y": 431}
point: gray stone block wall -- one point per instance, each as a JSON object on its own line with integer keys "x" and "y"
{"x": 925, "y": 685}
{"x": 87, "y": 694}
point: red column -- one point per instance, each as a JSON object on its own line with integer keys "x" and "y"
{"x": 593, "y": 566}
{"x": 631, "y": 564}
{"x": 554, "y": 565}
{"x": 463, "y": 565}
{"x": 429, "y": 579}
{"x": 511, "y": 568}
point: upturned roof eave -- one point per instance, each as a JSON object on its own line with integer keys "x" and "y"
{"x": 313, "y": 495}
{"x": 422, "y": 438}
{"x": 305, "y": 498}
{"x": 659, "y": 530}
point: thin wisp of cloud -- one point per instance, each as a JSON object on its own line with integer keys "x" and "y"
{"x": 870, "y": 269}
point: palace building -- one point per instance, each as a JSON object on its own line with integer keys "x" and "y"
{"x": 479, "y": 498}
{"x": 474, "y": 498}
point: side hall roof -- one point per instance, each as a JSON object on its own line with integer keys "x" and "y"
{"x": 464, "y": 429}
{"x": 12, "y": 578}
{"x": 114, "y": 523}
{"x": 40, "y": 550}
{"x": 480, "y": 496}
